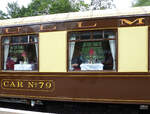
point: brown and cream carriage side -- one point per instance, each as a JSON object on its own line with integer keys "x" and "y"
{"x": 94, "y": 56}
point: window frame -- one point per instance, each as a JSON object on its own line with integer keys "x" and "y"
{"x": 2, "y": 51}
{"x": 91, "y": 39}
{"x": 148, "y": 49}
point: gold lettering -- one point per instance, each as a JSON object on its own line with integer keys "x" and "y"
{"x": 6, "y": 83}
{"x": 12, "y": 84}
{"x": 12, "y": 30}
{"x": 48, "y": 85}
{"x": 30, "y": 85}
{"x": 35, "y": 84}
{"x": 6, "y": 30}
{"x": 80, "y": 25}
{"x": 48, "y": 27}
{"x": 139, "y": 20}
{"x": 20, "y": 84}
{"x": 41, "y": 84}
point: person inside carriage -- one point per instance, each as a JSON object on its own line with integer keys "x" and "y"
{"x": 77, "y": 61}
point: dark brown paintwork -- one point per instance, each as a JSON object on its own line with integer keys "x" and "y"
{"x": 89, "y": 87}
{"x": 72, "y": 25}
{"x": 0, "y": 54}
{"x": 148, "y": 49}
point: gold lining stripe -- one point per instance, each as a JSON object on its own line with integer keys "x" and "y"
{"x": 71, "y": 76}
{"x": 105, "y": 28}
{"x": 33, "y": 33}
{"x": 76, "y": 99}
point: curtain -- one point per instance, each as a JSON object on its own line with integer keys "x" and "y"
{"x": 36, "y": 46}
{"x": 6, "y": 51}
{"x": 113, "y": 51}
{"x": 71, "y": 51}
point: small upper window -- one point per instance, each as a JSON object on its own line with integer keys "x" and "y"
{"x": 20, "y": 52}
{"x": 97, "y": 35}
{"x": 95, "y": 50}
{"x": 84, "y": 35}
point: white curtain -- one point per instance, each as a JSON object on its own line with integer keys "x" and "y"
{"x": 113, "y": 51}
{"x": 36, "y": 46}
{"x": 71, "y": 51}
{"x": 6, "y": 51}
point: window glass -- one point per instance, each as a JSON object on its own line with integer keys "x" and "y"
{"x": 84, "y": 35}
{"x": 98, "y": 35}
{"x": 95, "y": 53}
{"x": 109, "y": 34}
{"x": 20, "y": 52}
{"x": 74, "y": 36}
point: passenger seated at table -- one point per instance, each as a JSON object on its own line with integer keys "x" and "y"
{"x": 108, "y": 61}
{"x": 10, "y": 64}
{"x": 76, "y": 62}
{"x": 19, "y": 59}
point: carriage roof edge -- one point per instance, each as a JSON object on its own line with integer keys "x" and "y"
{"x": 62, "y": 17}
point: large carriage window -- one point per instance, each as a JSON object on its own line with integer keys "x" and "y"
{"x": 20, "y": 52}
{"x": 92, "y": 50}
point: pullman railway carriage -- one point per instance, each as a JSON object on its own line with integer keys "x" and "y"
{"x": 95, "y": 56}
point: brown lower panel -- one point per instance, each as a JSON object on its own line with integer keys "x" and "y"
{"x": 79, "y": 99}
{"x": 116, "y": 88}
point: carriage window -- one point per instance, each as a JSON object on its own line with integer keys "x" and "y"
{"x": 92, "y": 50}
{"x": 20, "y": 52}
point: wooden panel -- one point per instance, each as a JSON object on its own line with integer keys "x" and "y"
{"x": 109, "y": 22}
{"x": 149, "y": 49}
{"x": 95, "y": 87}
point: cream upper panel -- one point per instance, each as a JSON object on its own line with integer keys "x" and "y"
{"x": 133, "y": 49}
{"x": 52, "y": 51}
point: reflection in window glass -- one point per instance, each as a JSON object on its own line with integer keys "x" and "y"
{"x": 95, "y": 53}
{"x": 74, "y": 36}
{"x": 98, "y": 35}
{"x": 85, "y": 35}
{"x": 109, "y": 34}
{"x": 20, "y": 52}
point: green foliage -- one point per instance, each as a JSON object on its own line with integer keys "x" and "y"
{"x": 79, "y": 5}
{"x": 141, "y": 3}
{"x": 42, "y": 7}
{"x": 38, "y": 7}
{"x": 101, "y": 4}
{"x": 3, "y": 15}
{"x": 13, "y": 9}
{"x": 61, "y": 6}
